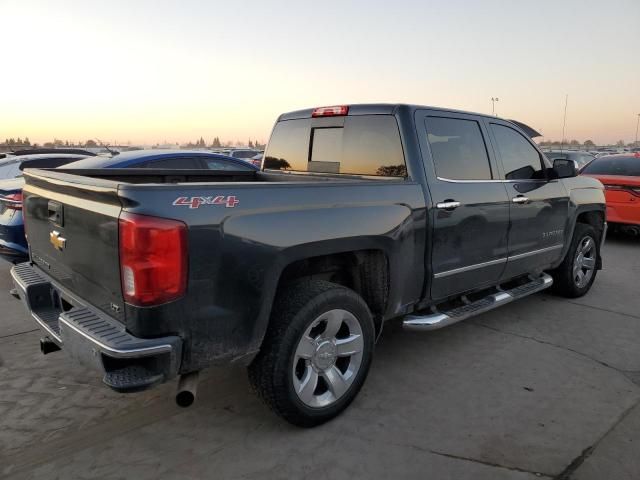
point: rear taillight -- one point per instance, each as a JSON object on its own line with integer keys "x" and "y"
{"x": 153, "y": 259}
{"x": 13, "y": 200}
{"x": 24, "y": 222}
{"x": 335, "y": 111}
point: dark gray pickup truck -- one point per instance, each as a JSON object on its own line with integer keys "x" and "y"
{"x": 360, "y": 214}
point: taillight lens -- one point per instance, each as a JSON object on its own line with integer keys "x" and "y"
{"x": 13, "y": 200}
{"x": 153, "y": 259}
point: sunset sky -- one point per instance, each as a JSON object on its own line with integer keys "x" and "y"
{"x": 155, "y": 71}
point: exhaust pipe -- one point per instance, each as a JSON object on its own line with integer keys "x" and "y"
{"x": 187, "y": 389}
{"x": 48, "y": 346}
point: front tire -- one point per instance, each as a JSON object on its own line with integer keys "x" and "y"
{"x": 316, "y": 353}
{"x": 577, "y": 272}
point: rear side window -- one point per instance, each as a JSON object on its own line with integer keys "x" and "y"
{"x": 614, "y": 165}
{"x": 46, "y": 163}
{"x": 458, "y": 149}
{"x": 216, "y": 164}
{"x": 363, "y": 145}
{"x": 520, "y": 159}
{"x": 171, "y": 163}
{"x": 244, "y": 154}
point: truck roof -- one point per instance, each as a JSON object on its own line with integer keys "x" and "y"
{"x": 375, "y": 109}
{"x": 391, "y": 108}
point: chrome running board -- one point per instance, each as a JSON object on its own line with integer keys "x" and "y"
{"x": 438, "y": 319}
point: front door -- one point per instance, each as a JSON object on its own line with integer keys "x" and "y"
{"x": 538, "y": 205}
{"x": 470, "y": 211}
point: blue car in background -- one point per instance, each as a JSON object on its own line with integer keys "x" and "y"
{"x": 12, "y": 238}
{"x": 12, "y": 241}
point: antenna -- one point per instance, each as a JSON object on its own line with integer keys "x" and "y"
{"x": 112, "y": 152}
{"x": 564, "y": 122}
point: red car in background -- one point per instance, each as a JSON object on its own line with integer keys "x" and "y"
{"x": 620, "y": 175}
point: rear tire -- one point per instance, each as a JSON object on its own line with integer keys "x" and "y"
{"x": 577, "y": 272}
{"x": 316, "y": 353}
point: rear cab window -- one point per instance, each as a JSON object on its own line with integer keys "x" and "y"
{"x": 355, "y": 145}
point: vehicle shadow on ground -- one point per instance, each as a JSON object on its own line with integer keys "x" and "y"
{"x": 527, "y": 386}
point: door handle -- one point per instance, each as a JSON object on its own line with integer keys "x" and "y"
{"x": 448, "y": 205}
{"x": 520, "y": 199}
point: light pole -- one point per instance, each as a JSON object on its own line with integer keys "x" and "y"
{"x": 637, "y": 123}
{"x": 493, "y": 105}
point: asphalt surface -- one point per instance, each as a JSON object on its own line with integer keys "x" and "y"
{"x": 541, "y": 388}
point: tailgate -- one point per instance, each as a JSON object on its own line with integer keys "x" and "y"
{"x": 72, "y": 230}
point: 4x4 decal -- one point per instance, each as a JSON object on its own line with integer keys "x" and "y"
{"x": 229, "y": 201}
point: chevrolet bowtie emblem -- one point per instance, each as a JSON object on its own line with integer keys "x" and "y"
{"x": 57, "y": 240}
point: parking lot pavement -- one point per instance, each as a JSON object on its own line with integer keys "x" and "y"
{"x": 541, "y": 388}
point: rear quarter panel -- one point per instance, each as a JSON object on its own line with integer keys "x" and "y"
{"x": 236, "y": 255}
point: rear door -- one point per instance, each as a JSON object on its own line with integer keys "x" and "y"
{"x": 470, "y": 217}
{"x": 538, "y": 206}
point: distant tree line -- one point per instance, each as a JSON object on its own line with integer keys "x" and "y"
{"x": 17, "y": 142}
{"x": 217, "y": 143}
{"x": 200, "y": 143}
{"x": 575, "y": 143}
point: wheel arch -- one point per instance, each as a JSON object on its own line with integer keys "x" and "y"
{"x": 364, "y": 266}
{"x": 591, "y": 214}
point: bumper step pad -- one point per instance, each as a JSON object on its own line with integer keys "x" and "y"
{"x": 134, "y": 378}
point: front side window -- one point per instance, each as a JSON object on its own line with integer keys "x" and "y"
{"x": 520, "y": 159}
{"x": 458, "y": 149}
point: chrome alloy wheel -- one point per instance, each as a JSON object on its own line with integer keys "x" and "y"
{"x": 327, "y": 358}
{"x": 584, "y": 263}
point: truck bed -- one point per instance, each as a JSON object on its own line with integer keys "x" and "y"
{"x": 244, "y": 229}
{"x": 158, "y": 176}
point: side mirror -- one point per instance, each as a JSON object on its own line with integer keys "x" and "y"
{"x": 565, "y": 168}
